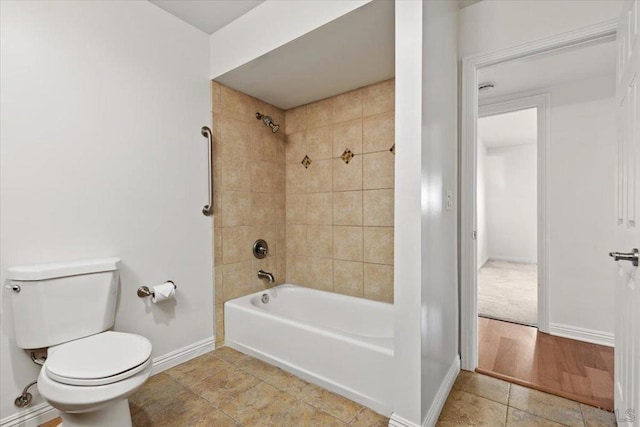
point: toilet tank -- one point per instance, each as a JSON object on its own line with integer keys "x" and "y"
{"x": 62, "y": 302}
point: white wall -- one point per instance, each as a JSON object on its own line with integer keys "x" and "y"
{"x": 511, "y": 203}
{"x": 491, "y": 25}
{"x": 101, "y": 155}
{"x": 408, "y": 215}
{"x": 426, "y": 304}
{"x": 582, "y": 203}
{"x": 268, "y": 26}
{"x": 481, "y": 205}
{"x": 439, "y": 299}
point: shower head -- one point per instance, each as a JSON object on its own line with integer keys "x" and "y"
{"x": 268, "y": 121}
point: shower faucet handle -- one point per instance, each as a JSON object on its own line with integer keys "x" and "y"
{"x": 260, "y": 248}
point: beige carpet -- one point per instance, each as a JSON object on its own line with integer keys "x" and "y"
{"x": 508, "y": 291}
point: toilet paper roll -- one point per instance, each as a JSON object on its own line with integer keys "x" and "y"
{"x": 163, "y": 292}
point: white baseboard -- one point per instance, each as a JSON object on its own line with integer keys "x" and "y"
{"x": 181, "y": 355}
{"x": 582, "y": 334}
{"x": 43, "y": 412}
{"x": 398, "y": 421}
{"x": 30, "y": 417}
{"x": 438, "y": 402}
{"x": 513, "y": 259}
{"x": 442, "y": 394}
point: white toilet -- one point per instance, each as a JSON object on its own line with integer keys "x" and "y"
{"x": 89, "y": 371}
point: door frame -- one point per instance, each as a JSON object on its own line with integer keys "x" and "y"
{"x": 585, "y": 36}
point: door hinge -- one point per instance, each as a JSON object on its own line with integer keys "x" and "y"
{"x": 474, "y": 234}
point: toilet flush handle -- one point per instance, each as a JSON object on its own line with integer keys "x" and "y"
{"x": 15, "y": 288}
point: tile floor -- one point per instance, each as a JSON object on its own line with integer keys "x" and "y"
{"x": 228, "y": 388}
{"x": 478, "y": 400}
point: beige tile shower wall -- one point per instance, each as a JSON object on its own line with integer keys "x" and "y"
{"x": 339, "y": 215}
{"x": 249, "y": 195}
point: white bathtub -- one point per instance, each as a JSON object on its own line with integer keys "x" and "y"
{"x": 341, "y": 343}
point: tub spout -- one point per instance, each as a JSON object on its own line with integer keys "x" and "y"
{"x": 266, "y": 275}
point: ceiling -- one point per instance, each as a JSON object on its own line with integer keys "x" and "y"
{"x": 548, "y": 70}
{"x": 352, "y": 51}
{"x": 209, "y": 16}
{"x": 515, "y": 128}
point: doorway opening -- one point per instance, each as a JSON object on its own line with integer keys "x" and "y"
{"x": 507, "y": 212}
{"x": 537, "y": 214}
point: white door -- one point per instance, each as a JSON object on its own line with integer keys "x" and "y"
{"x": 627, "y": 278}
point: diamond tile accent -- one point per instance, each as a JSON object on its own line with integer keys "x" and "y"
{"x": 306, "y": 161}
{"x": 347, "y": 156}
{"x": 393, "y": 149}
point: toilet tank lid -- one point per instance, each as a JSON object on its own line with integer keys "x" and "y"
{"x": 62, "y": 269}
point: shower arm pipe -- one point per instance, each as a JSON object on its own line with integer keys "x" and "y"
{"x": 207, "y": 210}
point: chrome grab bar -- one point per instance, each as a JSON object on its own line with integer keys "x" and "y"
{"x": 207, "y": 210}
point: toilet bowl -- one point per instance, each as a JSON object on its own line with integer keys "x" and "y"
{"x": 88, "y": 380}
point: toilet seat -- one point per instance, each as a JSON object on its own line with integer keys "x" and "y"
{"x": 100, "y": 359}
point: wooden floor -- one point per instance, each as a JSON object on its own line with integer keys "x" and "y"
{"x": 520, "y": 354}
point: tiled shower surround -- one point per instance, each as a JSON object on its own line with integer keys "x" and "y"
{"x": 339, "y": 191}
{"x": 319, "y": 191}
{"x": 249, "y": 196}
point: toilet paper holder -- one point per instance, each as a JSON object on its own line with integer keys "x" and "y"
{"x": 144, "y": 291}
